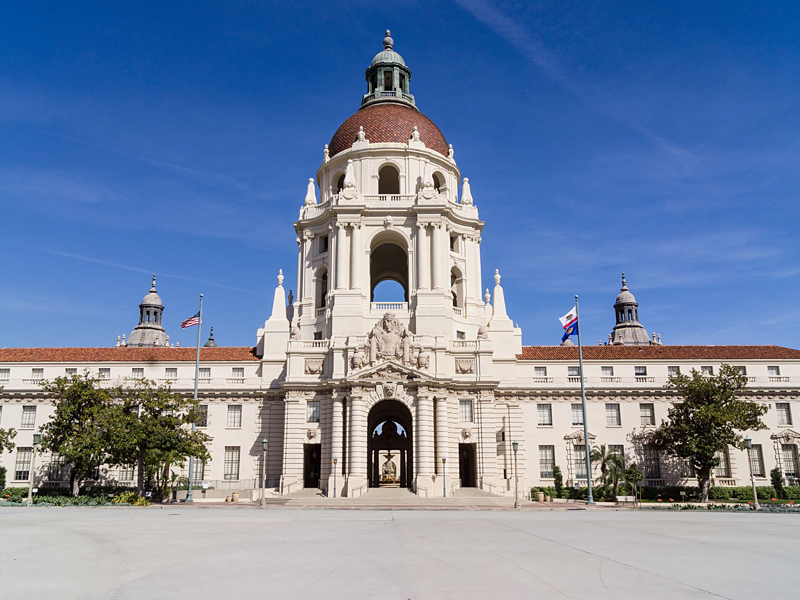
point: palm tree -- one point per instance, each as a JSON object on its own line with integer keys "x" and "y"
{"x": 611, "y": 464}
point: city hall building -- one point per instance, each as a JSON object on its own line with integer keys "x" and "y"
{"x": 429, "y": 393}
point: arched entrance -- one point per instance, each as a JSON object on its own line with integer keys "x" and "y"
{"x": 390, "y": 447}
{"x": 388, "y": 262}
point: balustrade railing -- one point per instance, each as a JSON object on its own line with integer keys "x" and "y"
{"x": 458, "y": 310}
{"x": 395, "y": 306}
{"x": 465, "y": 344}
{"x": 315, "y": 344}
{"x": 389, "y": 197}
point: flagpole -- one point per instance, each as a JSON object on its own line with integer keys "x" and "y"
{"x": 196, "y": 377}
{"x": 590, "y": 498}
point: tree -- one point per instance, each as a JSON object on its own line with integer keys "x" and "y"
{"x": 6, "y": 437}
{"x": 151, "y": 429}
{"x": 776, "y": 477}
{"x": 707, "y": 420}
{"x": 632, "y": 476}
{"x": 558, "y": 481}
{"x": 611, "y": 465}
{"x": 79, "y": 428}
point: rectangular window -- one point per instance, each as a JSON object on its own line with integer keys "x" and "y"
{"x": 37, "y": 373}
{"x": 789, "y": 460}
{"x": 465, "y": 411}
{"x": 723, "y": 469}
{"x": 756, "y": 457}
{"x": 580, "y": 462}
{"x": 104, "y": 373}
{"x": 237, "y": 372}
{"x": 742, "y": 370}
{"x": 460, "y": 335}
{"x": 22, "y": 468}
{"x": 607, "y": 371}
{"x": 648, "y": 414}
{"x": 784, "y": 413}
{"x": 652, "y": 466}
{"x": 318, "y": 335}
{"x": 617, "y": 449}
{"x": 545, "y": 414}
{"x": 5, "y": 374}
{"x": 540, "y": 371}
{"x": 137, "y": 373}
{"x": 171, "y": 373}
{"x": 640, "y": 371}
{"x": 613, "y": 418}
{"x": 323, "y": 244}
{"x": 234, "y": 416}
{"x": 56, "y": 470}
{"x": 125, "y": 473}
{"x": 547, "y": 460}
{"x": 199, "y": 470}
{"x": 573, "y": 371}
{"x": 673, "y": 370}
{"x": 577, "y": 414}
{"x": 312, "y": 411}
{"x": 232, "y": 463}
{"x": 70, "y": 371}
{"x": 706, "y": 370}
{"x": 687, "y": 468}
{"x": 774, "y": 371}
{"x": 28, "y": 417}
{"x": 205, "y": 373}
{"x": 202, "y": 415}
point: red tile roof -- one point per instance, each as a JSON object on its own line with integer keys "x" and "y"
{"x": 388, "y": 122}
{"x": 78, "y": 355}
{"x": 659, "y": 353}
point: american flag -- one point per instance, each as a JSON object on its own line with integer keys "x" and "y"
{"x": 193, "y": 320}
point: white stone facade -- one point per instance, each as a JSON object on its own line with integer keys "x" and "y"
{"x": 445, "y": 363}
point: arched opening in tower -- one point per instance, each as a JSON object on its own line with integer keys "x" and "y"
{"x": 388, "y": 180}
{"x": 388, "y": 268}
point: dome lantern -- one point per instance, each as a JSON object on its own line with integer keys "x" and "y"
{"x": 388, "y": 77}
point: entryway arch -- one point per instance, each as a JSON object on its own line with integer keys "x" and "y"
{"x": 390, "y": 445}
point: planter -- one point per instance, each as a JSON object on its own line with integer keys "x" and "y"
{"x": 235, "y": 497}
{"x": 547, "y": 498}
{"x": 540, "y": 496}
{"x": 227, "y": 498}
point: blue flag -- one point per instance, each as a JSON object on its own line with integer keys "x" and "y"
{"x": 571, "y": 329}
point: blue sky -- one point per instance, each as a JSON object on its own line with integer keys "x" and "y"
{"x": 659, "y": 139}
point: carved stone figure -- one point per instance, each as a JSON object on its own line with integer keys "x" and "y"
{"x": 389, "y": 470}
{"x": 389, "y": 389}
{"x": 424, "y": 361}
{"x": 389, "y": 340}
{"x": 357, "y": 361}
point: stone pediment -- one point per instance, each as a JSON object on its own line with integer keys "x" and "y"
{"x": 388, "y": 370}
{"x": 787, "y": 436}
{"x": 576, "y": 437}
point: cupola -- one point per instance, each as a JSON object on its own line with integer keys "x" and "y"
{"x": 628, "y": 331}
{"x": 149, "y": 331}
{"x": 388, "y": 77}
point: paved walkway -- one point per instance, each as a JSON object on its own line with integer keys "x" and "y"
{"x": 214, "y": 552}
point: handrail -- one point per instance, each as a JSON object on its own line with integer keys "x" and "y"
{"x": 490, "y": 485}
{"x": 453, "y": 485}
{"x": 287, "y": 489}
{"x": 358, "y": 489}
{"x": 419, "y": 487}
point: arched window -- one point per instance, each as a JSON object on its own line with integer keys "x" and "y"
{"x": 457, "y": 288}
{"x": 438, "y": 183}
{"x": 388, "y": 180}
{"x": 388, "y": 266}
{"x": 340, "y": 183}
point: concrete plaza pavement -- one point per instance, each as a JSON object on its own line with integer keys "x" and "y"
{"x": 285, "y": 552}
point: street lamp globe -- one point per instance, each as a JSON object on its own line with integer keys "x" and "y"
{"x": 37, "y": 437}
{"x": 264, "y": 443}
{"x": 515, "y": 445}
{"x": 748, "y": 443}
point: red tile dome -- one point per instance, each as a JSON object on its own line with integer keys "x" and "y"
{"x": 388, "y": 122}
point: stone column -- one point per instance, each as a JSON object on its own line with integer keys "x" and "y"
{"x": 423, "y": 434}
{"x": 292, "y": 472}
{"x": 341, "y": 256}
{"x": 477, "y": 270}
{"x": 356, "y": 255}
{"x": 337, "y": 444}
{"x": 441, "y": 435}
{"x": 357, "y": 446}
{"x": 487, "y": 441}
{"x": 437, "y": 256}
{"x": 306, "y": 276}
{"x": 423, "y": 258}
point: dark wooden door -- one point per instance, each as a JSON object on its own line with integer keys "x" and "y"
{"x": 466, "y": 464}
{"x": 312, "y": 465}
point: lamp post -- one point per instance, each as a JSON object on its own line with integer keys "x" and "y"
{"x": 748, "y": 443}
{"x": 264, "y": 443}
{"x": 36, "y": 439}
{"x": 444, "y": 477}
{"x": 515, "y": 446}
{"x": 335, "y": 461}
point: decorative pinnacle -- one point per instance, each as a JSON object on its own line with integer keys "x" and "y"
{"x": 624, "y": 285}
{"x": 153, "y": 287}
{"x": 388, "y": 42}
{"x": 497, "y": 276}
{"x": 280, "y": 277}
{"x": 487, "y": 296}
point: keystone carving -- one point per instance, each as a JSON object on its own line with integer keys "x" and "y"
{"x": 314, "y": 366}
{"x": 465, "y": 366}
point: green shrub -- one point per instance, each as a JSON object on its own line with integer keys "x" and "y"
{"x": 3, "y": 477}
{"x": 776, "y": 477}
{"x": 672, "y": 491}
{"x": 15, "y": 494}
{"x": 791, "y": 492}
{"x": 69, "y": 501}
{"x": 719, "y": 493}
{"x": 142, "y": 502}
{"x": 547, "y": 490}
{"x": 558, "y": 481}
{"x": 126, "y": 497}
